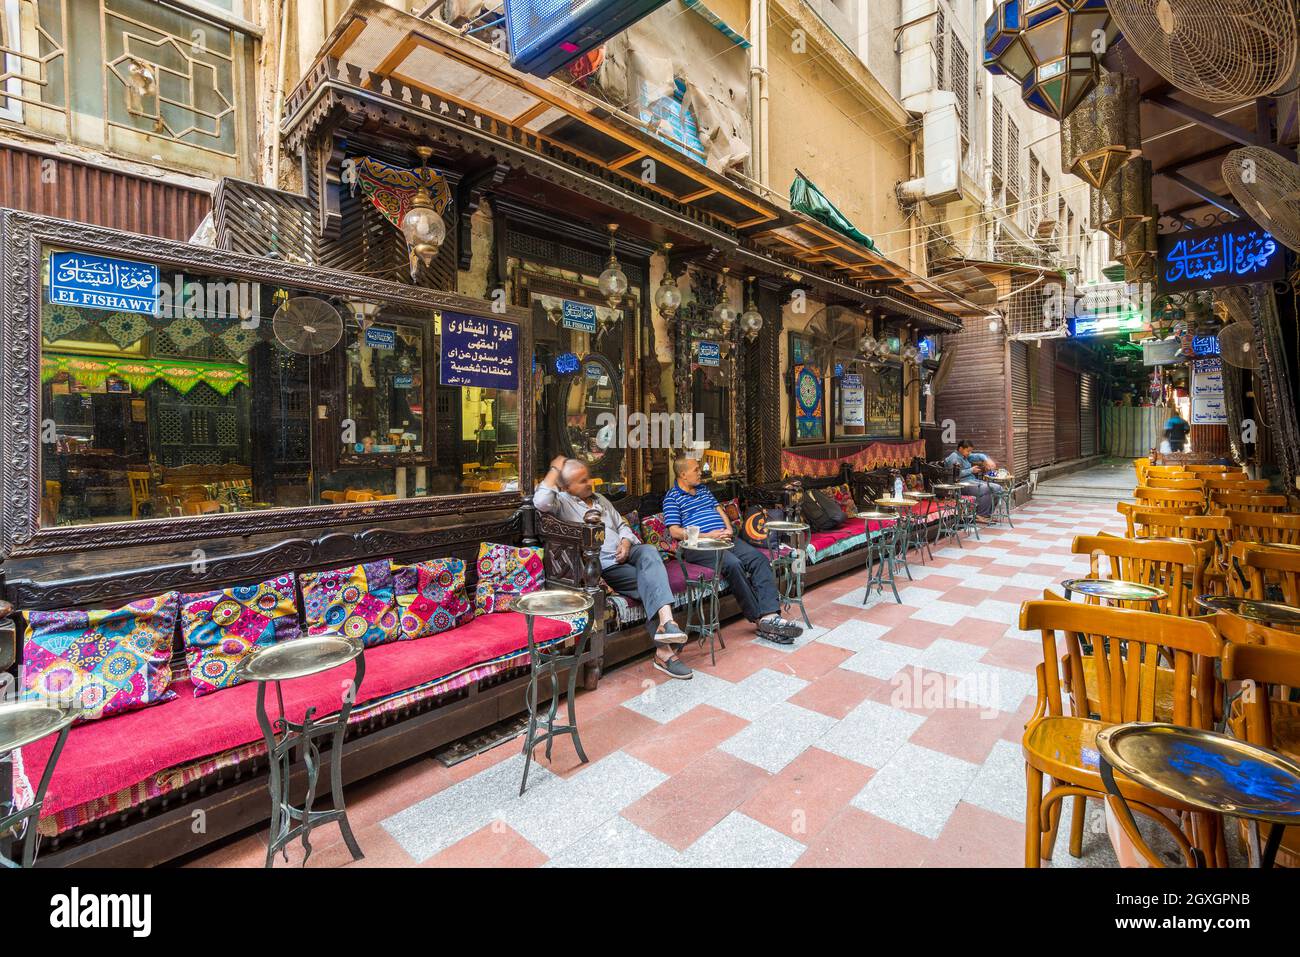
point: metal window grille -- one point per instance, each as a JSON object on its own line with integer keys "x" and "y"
{"x": 999, "y": 167}
{"x": 940, "y": 43}
{"x": 1013, "y": 166}
{"x": 959, "y": 83}
{"x": 1034, "y": 208}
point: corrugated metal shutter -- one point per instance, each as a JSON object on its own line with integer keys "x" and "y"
{"x": 970, "y": 396}
{"x": 1042, "y": 403}
{"x": 1087, "y": 414}
{"x": 1067, "y": 414}
{"x": 1020, "y": 408}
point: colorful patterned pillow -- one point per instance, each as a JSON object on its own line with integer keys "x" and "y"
{"x": 655, "y": 532}
{"x": 357, "y": 601}
{"x": 431, "y": 596}
{"x": 633, "y": 519}
{"x": 221, "y": 628}
{"x": 844, "y": 496}
{"x": 732, "y": 507}
{"x": 104, "y": 661}
{"x": 505, "y": 571}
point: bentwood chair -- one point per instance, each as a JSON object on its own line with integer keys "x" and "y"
{"x": 1221, "y": 501}
{"x": 1140, "y": 466}
{"x": 1129, "y": 509}
{"x": 1236, "y": 484}
{"x": 1192, "y": 484}
{"x": 1263, "y": 567}
{"x": 1175, "y": 567}
{"x": 1170, "y": 497}
{"x": 1265, "y": 527}
{"x": 1214, "y": 529}
{"x": 1225, "y": 470}
{"x": 1125, "y": 647}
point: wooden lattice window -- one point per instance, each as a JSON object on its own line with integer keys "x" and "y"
{"x": 959, "y": 83}
{"x": 1035, "y": 199}
{"x": 999, "y": 154}
{"x": 1013, "y": 166}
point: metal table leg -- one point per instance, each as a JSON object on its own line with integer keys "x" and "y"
{"x": 881, "y": 555}
{"x": 29, "y": 816}
{"x": 789, "y": 572}
{"x": 544, "y": 663}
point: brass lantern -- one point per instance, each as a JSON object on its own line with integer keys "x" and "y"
{"x": 1124, "y": 203}
{"x": 1104, "y": 132}
{"x": 1051, "y": 48}
{"x": 1139, "y": 255}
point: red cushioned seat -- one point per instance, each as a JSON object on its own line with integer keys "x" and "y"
{"x": 821, "y": 541}
{"x": 677, "y": 582}
{"x": 102, "y": 757}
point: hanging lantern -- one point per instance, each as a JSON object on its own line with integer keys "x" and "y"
{"x": 1049, "y": 47}
{"x": 724, "y": 313}
{"x": 751, "y": 320}
{"x": 668, "y": 297}
{"x": 422, "y": 225}
{"x": 613, "y": 281}
{"x": 1124, "y": 203}
{"x": 1104, "y": 132}
{"x": 1139, "y": 255}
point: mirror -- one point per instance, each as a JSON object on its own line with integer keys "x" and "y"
{"x": 593, "y": 391}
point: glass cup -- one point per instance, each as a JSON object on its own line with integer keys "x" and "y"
{"x": 692, "y": 536}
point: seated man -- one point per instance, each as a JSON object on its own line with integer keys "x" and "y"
{"x": 748, "y": 571}
{"x": 970, "y": 472}
{"x": 630, "y": 568}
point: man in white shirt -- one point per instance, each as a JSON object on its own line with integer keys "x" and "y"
{"x": 630, "y": 568}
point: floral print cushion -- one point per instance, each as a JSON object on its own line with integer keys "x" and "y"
{"x": 357, "y": 601}
{"x": 505, "y": 571}
{"x": 101, "y": 662}
{"x": 655, "y": 532}
{"x": 844, "y": 496}
{"x": 431, "y": 597}
{"x": 732, "y": 507}
{"x": 223, "y": 627}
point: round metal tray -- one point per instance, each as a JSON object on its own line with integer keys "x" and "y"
{"x": 1206, "y": 769}
{"x": 946, "y": 486}
{"x": 1264, "y": 612}
{"x": 782, "y": 526}
{"x": 920, "y": 495}
{"x": 22, "y": 722}
{"x": 895, "y": 502}
{"x": 298, "y": 658}
{"x": 879, "y": 516}
{"x": 551, "y": 601}
{"x": 1117, "y": 590}
{"x": 708, "y": 545}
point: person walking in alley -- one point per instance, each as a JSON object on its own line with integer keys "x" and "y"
{"x": 747, "y": 570}
{"x": 970, "y": 472}
{"x": 1176, "y": 429}
{"x": 629, "y": 567}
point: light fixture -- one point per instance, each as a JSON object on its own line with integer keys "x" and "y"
{"x": 911, "y": 353}
{"x": 364, "y": 312}
{"x": 668, "y": 297}
{"x": 613, "y": 281}
{"x": 867, "y": 344}
{"x": 751, "y": 320}
{"x": 422, "y": 225}
{"x": 724, "y": 313}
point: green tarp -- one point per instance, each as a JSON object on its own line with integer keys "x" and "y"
{"x": 808, "y": 199}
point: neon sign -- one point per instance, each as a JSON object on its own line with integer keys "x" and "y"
{"x": 1224, "y": 255}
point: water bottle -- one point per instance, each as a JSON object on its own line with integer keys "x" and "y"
{"x": 898, "y": 486}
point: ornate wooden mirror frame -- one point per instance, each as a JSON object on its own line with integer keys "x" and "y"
{"x": 22, "y": 238}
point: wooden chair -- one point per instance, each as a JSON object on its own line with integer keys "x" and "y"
{"x": 1125, "y": 647}
{"x": 1208, "y": 470}
{"x": 1129, "y": 509}
{"x": 359, "y": 495}
{"x": 1236, "y": 484}
{"x": 1140, "y": 466}
{"x": 200, "y": 507}
{"x": 1196, "y": 485}
{"x": 1167, "y": 471}
{"x": 1173, "y": 566}
{"x": 141, "y": 491}
{"x": 1170, "y": 497}
{"x": 490, "y": 486}
{"x": 1262, "y": 714}
{"x": 333, "y": 495}
{"x": 1265, "y": 527}
{"x": 1214, "y": 529}
{"x": 1221, "y": 501}
{"x": 1263, "y": 566}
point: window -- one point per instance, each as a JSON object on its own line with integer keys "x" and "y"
{"x": 860, "y": 402}
{"x": 1035, "y": 199}
{"x": 999, "y": 156}
{"x": 1013, "y": 167}
{"x": 11, "y": 108}
{"x": 170, "y": 394}
{"x": 959, "y": 83}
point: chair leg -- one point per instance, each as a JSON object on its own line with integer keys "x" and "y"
{"x": 1033, "y": 810}
{"x": 1050, "y": 825}
{"x": 1077, "y": 818}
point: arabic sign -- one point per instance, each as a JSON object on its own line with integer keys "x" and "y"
{"x": 1223, "y": 255}
{"x": 99, "y": 282}
{"x": 378, "y": 337}
{"x": 853, "y": 403}
{"x": 1205, "y": 345}
{"x": 479, "y": 352}
{"x": 578, "y": 315}
{"x": 1208, "y": 406}
{"x": 710, "y": 353}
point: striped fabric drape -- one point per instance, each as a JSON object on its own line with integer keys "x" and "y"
{"x": 1131, "y": 431}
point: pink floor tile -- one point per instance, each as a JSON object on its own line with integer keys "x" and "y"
{"x": 679, "y": 742}
{"x": 602, "y": 735}
{"x": 812, "y": 661}
{"x": 977, "y": 631}
{"x": 963, "y": 730}
{"x": 838, "y": 692}
{"x": 916, "y": 633}
{"x": 807, "y": 794}
{"x": 494, "y": 845}
{"x": 855, "y": 838}
{"x": 680, "y": 810}
{"x": 974, "y": 837}
{"x": 1015, "y": 654}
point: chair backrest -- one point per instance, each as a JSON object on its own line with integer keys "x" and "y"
{"x": 1166, "y": 565}
{"x": 1265, "y": 566}
{"x": 1216, "y": 470}
{"x": 1196, "y": 485}
{"x": 1140, "y": 466}
{"x": 1126, "y": 648}
{"x": 1166, "y": 471}
{"x": 200, "y": 507}
{"x": 1266, "y": 657}
{"x": 1247, "y": 502}
{"x": 1264, "y": 527}
{"x": 1129, "y": 509}
{"x": 1168, "y": 497}
{"x": 1215, "y": 529}
{"x": 1236, "y": 484}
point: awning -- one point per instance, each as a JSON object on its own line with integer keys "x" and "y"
{"x": 181, "y": 374}
{"x": 805, "y": 197}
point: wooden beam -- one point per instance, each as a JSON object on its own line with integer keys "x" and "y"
{"x": 1181, "y": 164}
{"x": 1205, "y": 193}
{"x": 1231, "y": 131}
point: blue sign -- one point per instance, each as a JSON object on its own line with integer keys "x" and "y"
{"x": 403, "y": 381}
{"x": 566, "y": 363}
{"x": 710, "y": 353}
{"x": 479, "y": 352}
{"x": 852, "y": 381}
{"x": 1205, "y": 345}
{"x": 545, "y": 35}
{"x": 578, "y": 315}
{"x": 595, "y": 370}
{"x": 1224, "y": 255}
{"x": 925, "y": 347}
{"x": 99, "y": 282}
{"x": 378, "y": 337}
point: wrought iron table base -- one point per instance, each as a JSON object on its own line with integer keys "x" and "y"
{"x": 882, "y": 555}
{"x": 288, "y": 821}
{"x": 27, "y": 818}
{"x": 703, "y": 605}
{"x": 544, "y": 664}
{"x": 789, "y": 571}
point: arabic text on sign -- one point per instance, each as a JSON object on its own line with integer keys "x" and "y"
{"x": 1225, "y": 254}
{"x": 478, "y": 352}
{"x": 101, "y": 282}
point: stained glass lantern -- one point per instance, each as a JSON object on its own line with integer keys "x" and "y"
{"x": 1104, "y": 133}
{"x": 1051, "y": 48}
{"x": 1124, "y": 203}
{"x": 1139, "y": 255}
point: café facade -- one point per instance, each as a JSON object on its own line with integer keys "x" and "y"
{"x": 316, "y": 388}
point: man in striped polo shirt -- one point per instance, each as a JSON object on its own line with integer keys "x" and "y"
{"x": 745, "y": 568}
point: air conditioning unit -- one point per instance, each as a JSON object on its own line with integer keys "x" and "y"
{"x": 545, "y": 35}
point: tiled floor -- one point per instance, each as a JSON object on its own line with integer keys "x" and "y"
{"x": 887, "y": 735}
